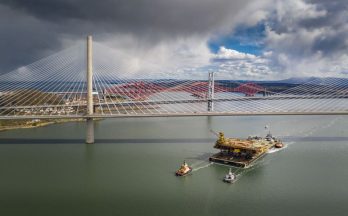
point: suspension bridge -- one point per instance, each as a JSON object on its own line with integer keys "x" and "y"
{"x": 99, "y": 82}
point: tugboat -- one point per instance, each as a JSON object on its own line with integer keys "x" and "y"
{"x": 184, "y": 170}
{"x": 279, "y": 145}
{"x": 230, "y": 177}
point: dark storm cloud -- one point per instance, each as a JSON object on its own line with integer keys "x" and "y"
{"x": 31, "y": 29}
{"x": 23, "y": 39}
{"x": 327, "y": 20}
{"x": 336, "y": 20}
{"x": 308, "y": 36}
{"x": 162, "y": 15}
{"x": 298, "y": 29}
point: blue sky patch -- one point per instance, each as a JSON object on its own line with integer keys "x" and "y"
{"x": 243, "y": 39}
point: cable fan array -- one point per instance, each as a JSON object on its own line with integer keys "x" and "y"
{"x": 125, "y": 85}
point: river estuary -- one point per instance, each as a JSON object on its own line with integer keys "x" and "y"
{"x": 130, "y": 170}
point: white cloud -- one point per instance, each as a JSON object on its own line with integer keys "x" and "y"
{"x": 305, "y": 37}
{"x": 233, "y": 64}
{"x": 302, "y": 37}
{"x": 228, "y": 54}
{"x": 166, "y": 59}
{"x": 299, "y": 41}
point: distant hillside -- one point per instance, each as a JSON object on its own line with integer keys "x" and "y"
{"x": 298, "y": 80}
{"x": 20, "y": 98}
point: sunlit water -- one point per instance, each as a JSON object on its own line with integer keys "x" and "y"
{"x": 130, "y": 169}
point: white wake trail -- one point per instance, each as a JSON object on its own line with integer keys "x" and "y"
{"x": 201, "y": 167}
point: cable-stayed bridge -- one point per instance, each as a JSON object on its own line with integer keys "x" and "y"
{"x": 99, "y": 82}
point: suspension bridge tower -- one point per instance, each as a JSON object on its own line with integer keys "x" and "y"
{"x": 90, "y": 111}
{"x": 211, "y": 92}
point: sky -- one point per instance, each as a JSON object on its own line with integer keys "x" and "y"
{"x": 241, "y": 39}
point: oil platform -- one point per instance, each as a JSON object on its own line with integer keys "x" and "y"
{"x": 243, "y": 152}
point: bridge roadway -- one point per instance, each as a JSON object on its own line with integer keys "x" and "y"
{"x": 158, "y": 102}
{"x": 193, "y": 114}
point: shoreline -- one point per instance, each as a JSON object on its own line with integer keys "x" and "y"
{"x": 38, "y": 124}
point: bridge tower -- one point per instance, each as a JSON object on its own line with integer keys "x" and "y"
{"x": 90, "y": 123}
{"x": 210, "y": 92}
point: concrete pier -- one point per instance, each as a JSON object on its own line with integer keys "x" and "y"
{"x": 211, "y": 92}
{"x": 89, "y": 77}
{"x": 90, "y": 111}
{"x": 90, "y": 131}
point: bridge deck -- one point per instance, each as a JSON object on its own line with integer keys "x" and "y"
{"x": 158, "y": 102}
{"x": 173, "y": 115}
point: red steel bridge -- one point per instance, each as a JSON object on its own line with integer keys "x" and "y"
{"x": 142, "y": 90}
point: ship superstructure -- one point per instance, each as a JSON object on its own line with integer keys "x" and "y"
{"x": 243, "y": 152}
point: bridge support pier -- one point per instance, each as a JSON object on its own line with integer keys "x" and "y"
{"x": 90, "y": 131}
{"x": 210, "y": 92}
{"x": 90, "y": 107}
{"x": 210, "y": 105}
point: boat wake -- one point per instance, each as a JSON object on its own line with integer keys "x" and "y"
{"x": 201, "y": 167}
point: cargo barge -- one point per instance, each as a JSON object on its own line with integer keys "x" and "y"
{"x": 243, "y": 152}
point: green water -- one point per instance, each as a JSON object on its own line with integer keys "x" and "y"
{"x": 130, "y": 169}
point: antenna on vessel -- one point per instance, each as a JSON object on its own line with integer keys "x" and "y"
{"x": 269, "y": 128}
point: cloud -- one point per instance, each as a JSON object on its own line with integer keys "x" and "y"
{"x": 306, "y": 37}
{"x": 230, "y": 54}
{"x": 33, "y": 29}
{"x": 23, "y": 39}
{"x": 232, "y": 64}
{"x": 174, "y": 16}
{"x": 163, "y": 60}
{"x": 301, "y": 37}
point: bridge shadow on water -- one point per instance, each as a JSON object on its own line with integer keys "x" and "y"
{"x": 4, "y": 141}
{"x": 101, "y": 141}
{"x": 313, "y": 139}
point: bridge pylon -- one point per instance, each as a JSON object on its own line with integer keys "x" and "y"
{"x": 90, "y": 111}
{"x": 210, "y": 92}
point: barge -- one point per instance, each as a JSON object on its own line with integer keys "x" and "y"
{"x": 243, "y": 152}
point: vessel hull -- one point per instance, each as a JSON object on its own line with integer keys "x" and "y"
{"x": 236, "y": 162}
{"x": 183, "y": 174}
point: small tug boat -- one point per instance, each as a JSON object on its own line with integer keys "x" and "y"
{"x": 230, "y": 177}
{"x": 184, "y": 170}
{"x": 279, "y": 145}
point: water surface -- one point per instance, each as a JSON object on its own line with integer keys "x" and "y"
{"x": 130, "y": 169}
